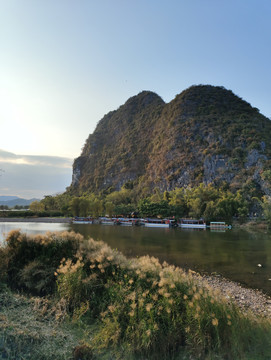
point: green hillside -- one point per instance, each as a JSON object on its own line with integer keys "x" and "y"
{"x": 205, "y": 135}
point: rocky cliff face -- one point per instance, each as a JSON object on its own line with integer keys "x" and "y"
{"x": 206, "y": 134}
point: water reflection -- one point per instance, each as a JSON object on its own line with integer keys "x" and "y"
{"x": 30, "y": 228}
{"x": 233, "y": 254}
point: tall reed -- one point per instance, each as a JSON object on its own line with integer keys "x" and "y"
{"x": 140, "y": 307}
{"x": 157, "y": 309}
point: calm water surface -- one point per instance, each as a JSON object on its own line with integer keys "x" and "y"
{"x": 234, "y": 254}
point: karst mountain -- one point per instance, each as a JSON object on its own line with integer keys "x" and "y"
{"x": 207, "y": 134}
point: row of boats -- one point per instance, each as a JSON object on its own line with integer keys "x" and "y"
{"x": 149, "y": 222}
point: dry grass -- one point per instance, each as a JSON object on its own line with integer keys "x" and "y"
{"x": 140, "y": 307}
{"x": 156, "y": 309}
{"x": 29, "y": 330}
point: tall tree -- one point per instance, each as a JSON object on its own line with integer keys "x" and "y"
{"x": 36, "y": 206}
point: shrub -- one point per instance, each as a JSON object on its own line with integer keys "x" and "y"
{"x": 3, "y": 267}
{"x": 32, "y": 260}
{"x": 83, "y": 352}
{"x": 161, "y": 313}
{"x": 141, "y": 307}
{"x": 155, "y": 310}
{"x": 87, "y": 279}
{"x": 37, "y": 278}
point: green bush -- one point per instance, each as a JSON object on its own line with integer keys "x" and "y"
{"x": 32, "y": 260}
{"x": 140, "y": 307}
{"x": 3, "y": 267}
{"x": 154, "y": 310}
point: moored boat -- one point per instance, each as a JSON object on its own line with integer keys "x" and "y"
{"x": 192, "y": 224}
{"x": 108, "y": 221}
{"x": 219, "y": 225}
{"x": 161, "y": 223}
{"x": 82, "y": 220}
{"x": 128, "y": 221}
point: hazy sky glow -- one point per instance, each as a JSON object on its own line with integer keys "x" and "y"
{"x": 65, "y": 63}
{"x": 30, "y": 176}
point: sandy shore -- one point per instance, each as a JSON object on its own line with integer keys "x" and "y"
{"x": 36, "y": 219}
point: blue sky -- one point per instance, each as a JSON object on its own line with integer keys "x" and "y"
{"x": 64, "y": 64}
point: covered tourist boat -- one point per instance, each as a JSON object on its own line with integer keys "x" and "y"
{"x": 219, "y": 225}
{"x": 192, "y": 224}
{"x": 108, "y": 221}
{"x": 161, "y": 223}
{"x": 128, "y": 221}
{"x": 82, "y": 220}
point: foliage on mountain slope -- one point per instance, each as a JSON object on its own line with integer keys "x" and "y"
{"x": 206, "y": 134}
{"x": 118, "y": 149}
{"x": 209, "y": 134}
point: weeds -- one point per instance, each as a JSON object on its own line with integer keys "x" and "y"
{"x": 32, "y": 260}
{"x": 29, "y": 332}
{"x": 140, "y": 307}
{"x": 155, "y": 309}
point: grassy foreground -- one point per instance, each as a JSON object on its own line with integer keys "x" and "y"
{"x": 80, "y": 299}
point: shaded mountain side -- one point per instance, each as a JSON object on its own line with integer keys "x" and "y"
{"x": 119, "y": 148}
{"x": 206, "y": 134}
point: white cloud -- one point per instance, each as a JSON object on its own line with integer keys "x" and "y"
{"x": 30, "y": 176}
{"x": 34, "y": 160}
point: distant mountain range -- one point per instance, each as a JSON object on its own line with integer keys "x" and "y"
{"x": 12, "y": 201}
{"x": 206, "y": 135}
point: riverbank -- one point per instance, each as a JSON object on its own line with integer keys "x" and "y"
{"x": 33, "y": 325}
{"x": 252, "y": 225}
{"x": 120, "y": 237}
{"x": 127, "y": 308}
{"x": 248, "y": 300}
{"x": 36, "y": 219}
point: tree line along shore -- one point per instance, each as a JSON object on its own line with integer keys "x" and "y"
{"x": 204, "y": 201}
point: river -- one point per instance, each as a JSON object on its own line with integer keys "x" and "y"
{"x": 234, "y": 254}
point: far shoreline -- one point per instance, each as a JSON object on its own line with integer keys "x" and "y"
{"x": 37, "y": 219}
